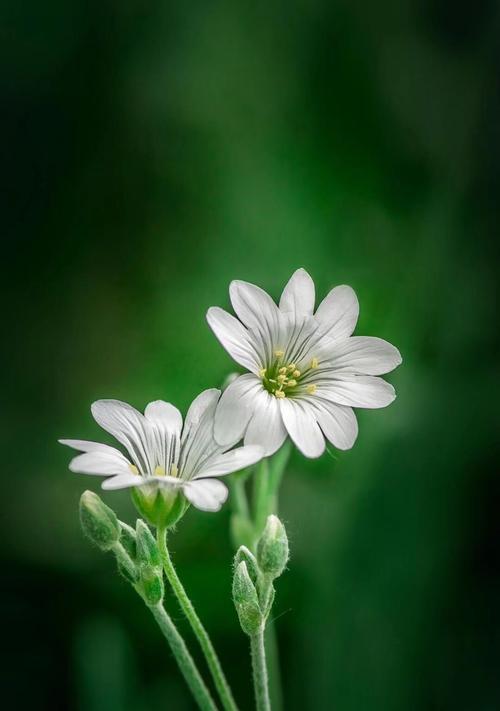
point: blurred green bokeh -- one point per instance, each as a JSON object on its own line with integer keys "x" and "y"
{"x": 152, "y": 153}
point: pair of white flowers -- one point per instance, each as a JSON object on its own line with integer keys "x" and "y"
{"x": 306, "y": 373}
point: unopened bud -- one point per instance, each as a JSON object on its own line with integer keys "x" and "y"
{"x": 272, "y": 548}
{"x": 246, "y": 600}
{"x": 99, "y": 522}
{"x": 128, "y": 539}
{"x": 152, "y": 586}
{"x": 245, "y": 555}
{"x": 148, "y": 554}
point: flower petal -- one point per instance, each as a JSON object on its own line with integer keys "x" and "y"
{"x": 165, "y": 416}
{"x": 198, "y": 443}
{"x": 255, "y": 308}
{"x": 357, "y": 391}
{"x": 235, "y": 409}
{"x": 85, "y": 446}
{"x": 266, "y": 427}
{"x": 166, "y": 425}
{"x": 234, "y": 337}
{"x": 100, "y": 463}
{"x": 129, "y": 427}
{"x": 123, "y": 481}
{"x": 338, "y": 422}
{"x": 364, "y": 354}
{"x": 298, "y": 294}
{"x": 302, "y": 427}
{"x": 232, "y": 461}
{"x": 206, "y": 494}
{"x": 338, "y": 312}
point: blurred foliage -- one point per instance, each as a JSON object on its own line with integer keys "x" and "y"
{"x": 152, "y": 153}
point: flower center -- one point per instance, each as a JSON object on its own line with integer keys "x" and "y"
{"x": 283, "y": 379}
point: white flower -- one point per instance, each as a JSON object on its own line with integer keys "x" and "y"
{"x": 163, "y": 452}
{"x": 306, "y": 371}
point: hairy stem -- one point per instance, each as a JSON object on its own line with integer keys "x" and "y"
{"x": 259, "y": 668}
{"x": 201, "y": 634}
{"x": 184, "y": 659}
{"x": 177, "y": 645}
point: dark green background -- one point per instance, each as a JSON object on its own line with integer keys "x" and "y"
{"x": 152, "y": 153}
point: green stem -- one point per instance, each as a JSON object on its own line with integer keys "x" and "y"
{"x": 273, "y": 665}
{"x": 261, "y": 497}
{"x": 259, "y": 668}
{"x": 184, "y": 659}
{"x": 171, "y": 634}
{"x": 201, "y": 634}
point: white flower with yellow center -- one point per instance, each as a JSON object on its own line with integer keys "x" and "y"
{"x": 166, "y": 457}
{"x": 306, "y": 370}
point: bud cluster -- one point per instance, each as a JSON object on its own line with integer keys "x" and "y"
{"x": 253, "y": 590}
{"x": 136, "y": 551}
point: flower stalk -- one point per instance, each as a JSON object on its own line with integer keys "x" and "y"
{"x": 199, "y": 630}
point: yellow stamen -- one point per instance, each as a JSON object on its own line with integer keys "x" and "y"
{"x": 282, "y": 370}
{"x": 279, "y": 394}
{"x": 133, "y": 469}
{"x": 159, "y": 471}
{"x": 281, "y": 378}
{"x": 292, "y": 366}
{"x": 314, "y": 363}
{"x": 262, "y": 372}
{"x": 296, "y": 373}
{"x": 311, "y": 389}
{"x": 291, "y": 383}
{"x": 279, "y": 354}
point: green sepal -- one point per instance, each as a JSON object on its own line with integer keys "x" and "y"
{"x": 161, "y": 507}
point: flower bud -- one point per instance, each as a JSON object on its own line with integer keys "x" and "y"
{"x": 148, "y": 555}
{"x": 246, "y": 600}
{"x": 99, "y": 522}
{"x": 272, "y": 548}
{"x": 128, "y": 539}
{"x": 151, "y": 586}
{"x": 244, "y": 554}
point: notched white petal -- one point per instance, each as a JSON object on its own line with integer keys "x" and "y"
{"x": 234, "y": 337}
{"x": 298, "y": 295}
{"x": 164, "y": 415}
{"x": 365, "y": 355}
{"x": 100, "y": 463}
{"x": 125, "y": 481}
{"x": 302, "y": 427}
{"x": 235, "y": 408}
{"x": 266, "y": 427}
{"x": 358, "y": 391}
{"x": 206, "y": 494}
{"x": 233, "y": 461}
{"x": 338, "y": 312}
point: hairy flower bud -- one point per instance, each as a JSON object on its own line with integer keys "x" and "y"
{"x": 246, "y": 600}
{"x": 272, "y": 548}
{"x": 128, "y": 539}
{"x": 148, "y": 555}
{"x": 99, "y": 522}
{"x": 246, "y": 555}
{"x": 151, "y": 586}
